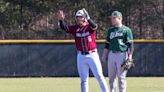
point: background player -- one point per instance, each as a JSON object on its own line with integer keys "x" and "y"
{"x": 84, "y": 33}
{"x": 119, "y": 47}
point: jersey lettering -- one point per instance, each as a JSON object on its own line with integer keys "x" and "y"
{"x": 82, "y": 35}
{"x": 115, "y": 34}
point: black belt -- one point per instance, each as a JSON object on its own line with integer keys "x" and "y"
{"x": 117, "y": 51}
{"x": 86, "y": 52}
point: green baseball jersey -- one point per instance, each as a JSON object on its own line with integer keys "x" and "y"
{"x": 119, "y": 38}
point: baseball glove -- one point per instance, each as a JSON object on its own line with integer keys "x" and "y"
{"x": 127, "y": 64}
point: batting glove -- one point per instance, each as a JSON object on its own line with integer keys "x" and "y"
{"x": 86, "y": 14}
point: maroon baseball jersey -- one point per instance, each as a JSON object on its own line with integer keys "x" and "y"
{"x": 85, "y": 37}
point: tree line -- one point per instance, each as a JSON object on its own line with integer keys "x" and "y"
{"x": 30, "y": 19}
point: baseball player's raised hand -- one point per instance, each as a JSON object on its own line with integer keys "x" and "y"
{"x": 61, "y": 15}
{"x": 86, "y": 14}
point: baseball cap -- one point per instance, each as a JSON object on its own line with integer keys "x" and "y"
{"x": 116, "y": 14}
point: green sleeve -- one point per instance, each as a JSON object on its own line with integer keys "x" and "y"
{"x": 129, "y": 37}
{"x": 108, "y": 35}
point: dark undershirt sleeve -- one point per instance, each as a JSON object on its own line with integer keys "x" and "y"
{"x": 92, "y": 24}
{"x": 63, "y": 25}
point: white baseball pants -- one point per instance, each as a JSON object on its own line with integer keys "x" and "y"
{"x": 92, "y": 61}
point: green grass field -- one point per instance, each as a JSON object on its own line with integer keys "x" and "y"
{"x": 135, "y": 84}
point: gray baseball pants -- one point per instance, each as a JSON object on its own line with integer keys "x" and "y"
{"x": 115, "y": 71}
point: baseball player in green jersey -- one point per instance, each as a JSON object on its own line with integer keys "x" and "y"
{"x": 118, "y": 48}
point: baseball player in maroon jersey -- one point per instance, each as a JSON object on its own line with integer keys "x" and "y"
{"x": 84, "y": 33}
